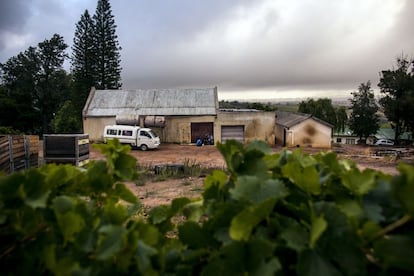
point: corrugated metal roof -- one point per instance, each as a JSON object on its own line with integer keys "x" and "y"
{"x": 290, "y": 119}
{"x": 153, "y": 102}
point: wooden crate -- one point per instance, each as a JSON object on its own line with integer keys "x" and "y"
{"x": 18, "y": 152}
{"x": 66, "y": 149}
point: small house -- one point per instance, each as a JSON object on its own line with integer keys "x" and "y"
{"x": 302, "y": 130}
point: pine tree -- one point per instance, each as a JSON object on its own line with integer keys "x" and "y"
{"x": 83, "y": 61}
{"x": 364, "y": 120}
{"x": 107, "y": 48}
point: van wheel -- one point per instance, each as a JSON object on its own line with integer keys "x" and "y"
{"x": 144, "y": 147}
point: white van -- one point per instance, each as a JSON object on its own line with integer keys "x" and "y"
{"x": 143, "y": 138}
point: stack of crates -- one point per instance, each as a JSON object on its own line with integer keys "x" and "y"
{"x": 66, "y": 149}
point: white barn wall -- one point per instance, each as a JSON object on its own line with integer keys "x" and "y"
{"x": 309, "y": 133}
{"x": 94, "y": 126}
{"x": 257, "y": 125}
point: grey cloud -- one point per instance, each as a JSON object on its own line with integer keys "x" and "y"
{"x": 13, "y": 14}
{"x": 186, "y": 43}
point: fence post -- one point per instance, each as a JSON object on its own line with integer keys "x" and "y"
{"x": 26, "y": 151}
{"x": 11, "y": 158}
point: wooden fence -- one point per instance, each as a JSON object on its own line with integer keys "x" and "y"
{"x": 18, "y": 152}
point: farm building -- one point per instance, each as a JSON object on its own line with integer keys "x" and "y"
{"x": 302, "y": 130}
{"x": 176, "y": 115}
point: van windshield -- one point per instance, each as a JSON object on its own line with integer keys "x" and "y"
{"x": 153, "y": 134}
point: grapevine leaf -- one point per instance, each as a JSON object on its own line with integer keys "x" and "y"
{"x": 70, "y": 223}
{"x": 145, "y": 252}
{"x": 178, "y": 204}
{"x": 268, "y": 268}
{"x": 191, "y": 234}
{"x": 257, "y": 190}
{"x": 125, "y": 193}
{"x": 50, "y": 256}
{"x": 370, "y": 230}
{"x": 296, "y": 237}
{"x": 125, "y": 167}
{"x": 396, "y": 251}
{"x": 194, "y": 210}
{"x": 318, "y": 226}
{"x": 148, "y": 233}
{"x": 159, "y": 214}
{"x": 259, "y": 257}
{"x": 403, "y": 187}
{"x": 259, "y": 146}
{"x": 243, "y": 223}
{"x": 359, "y": 183}
{"x": 230, "y": 261}
{"x": 36, "y": 190}
{"x": 373, "y": 211}
{"x": 63, "y": 204}
{"x": 214, "y": 185}
{"x": 306, "y": 178}
{"x": 232, "y": 154}
{"x": 350, "y": 208}
{"x": 115, "y": 213}
{"x": 311, "y": 263}
{"x": 110, "y": 241}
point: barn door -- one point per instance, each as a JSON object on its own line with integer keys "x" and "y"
{"x": 232, "y": 133}
{"x": 201, "y": 130}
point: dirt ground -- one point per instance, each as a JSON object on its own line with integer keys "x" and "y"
{"x": 154, "y": 193}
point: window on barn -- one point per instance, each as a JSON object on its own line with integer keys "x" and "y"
{"x": 339, "y": 140}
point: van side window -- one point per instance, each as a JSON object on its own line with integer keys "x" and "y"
{"x": 127, "y": 132}
{"x": 144, "y": 133}
{"x": 111, "y": 131}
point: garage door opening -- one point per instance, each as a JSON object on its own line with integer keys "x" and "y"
{"x": 201, "y": 130}
{"x": 232, "y": 133}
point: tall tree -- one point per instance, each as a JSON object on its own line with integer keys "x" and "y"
{"x": 37, "y": 84}
{"x": 364, "y": 120}
{"x": 107, "y": 48}
{"x": 321, "y": 109}
{"x": 83, "y": 61}
{"x": 397, "y": 87}
{"x": 19, "y": 77}
{"x": 52, "y": 88}
{"x": 341, "y": 118}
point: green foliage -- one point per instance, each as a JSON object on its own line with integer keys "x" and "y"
{"x": 397, "y": 89}
{"x": 364, "y": 120}
{"x": 106, "y": 48}
{"x": 324, "y": 110}
{"x": 8, "y": 130}
{"x": 248, "y": 105}
{"x": 83, "y": 61}
{"x": 321, "y": 109}
{"x": 285, "y": 213}
{"x": 67, "y": 119}
{"x": 34, "y": 86}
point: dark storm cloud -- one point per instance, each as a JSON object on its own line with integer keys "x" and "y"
{"x": 314, "y": 45}
{"x": 238, "y": 45}
{"x": 13, "y": 16}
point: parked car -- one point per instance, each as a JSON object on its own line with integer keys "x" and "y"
{"x": 384, "y": 142}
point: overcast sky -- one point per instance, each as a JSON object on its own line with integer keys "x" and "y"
{"x": 248, "y": 49}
